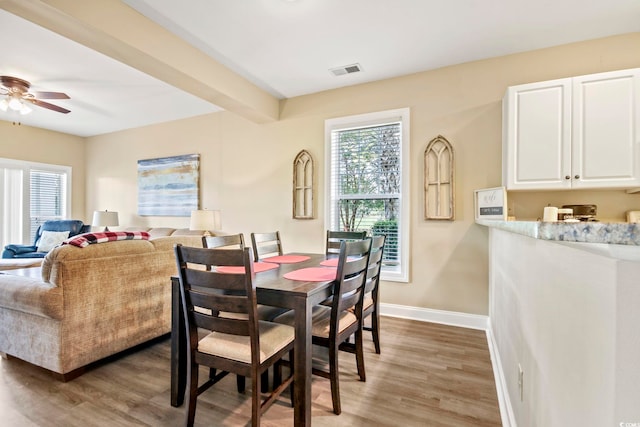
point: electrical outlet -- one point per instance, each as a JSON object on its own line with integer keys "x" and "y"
{"x": 520, "y": 381}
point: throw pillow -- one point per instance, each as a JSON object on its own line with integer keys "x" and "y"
{"x": 51, "y": 239}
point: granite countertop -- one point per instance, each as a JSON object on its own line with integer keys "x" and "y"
{"x": 614, "y": 233}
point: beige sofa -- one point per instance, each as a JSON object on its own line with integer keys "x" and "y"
{"x": 90, "y": 302}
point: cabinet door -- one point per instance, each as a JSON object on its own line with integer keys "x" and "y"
{"x": 537, "y": 136}
{"x": 605, "y": 127}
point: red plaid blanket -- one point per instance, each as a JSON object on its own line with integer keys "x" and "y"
{"x": 86, "y": 239}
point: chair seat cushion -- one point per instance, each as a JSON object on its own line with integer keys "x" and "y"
{"x": 368, "y": 302}
{"x": 273, "y": 337}
{"x": 321, "y": 318}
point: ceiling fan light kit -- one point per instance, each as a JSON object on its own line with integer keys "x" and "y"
{"x": 15, "y": 104}
{"x": 17, "y": 96}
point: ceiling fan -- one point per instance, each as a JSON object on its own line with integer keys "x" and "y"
{"x": 17, "y": 95}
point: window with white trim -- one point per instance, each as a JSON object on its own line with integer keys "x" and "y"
{"x": 31, "y": 193}
{"x": 367, "y": 182}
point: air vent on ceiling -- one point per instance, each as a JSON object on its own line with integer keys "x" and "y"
{"x": 347, "y": 69}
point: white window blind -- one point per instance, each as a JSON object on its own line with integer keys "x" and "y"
{"x": 366, "y": 183}
{"x": 47, "y": 198}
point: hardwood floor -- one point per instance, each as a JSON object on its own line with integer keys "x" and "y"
{"x": 427, "y": 375}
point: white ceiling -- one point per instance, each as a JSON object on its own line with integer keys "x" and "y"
{"x": 106, "y": 95}
{"x": 287, "y": 48}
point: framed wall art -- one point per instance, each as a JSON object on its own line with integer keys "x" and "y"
{"x": 491, "y": 203}
{"x": 168, "y": 186}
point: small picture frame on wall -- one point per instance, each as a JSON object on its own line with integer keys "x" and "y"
{"x": 491, "y": 203}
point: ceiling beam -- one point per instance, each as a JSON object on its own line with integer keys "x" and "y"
{"x": 118, "y": 31}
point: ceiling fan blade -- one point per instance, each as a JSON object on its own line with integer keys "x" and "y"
{"x": 51, "y": 95}
{"x": 49, "y": 106}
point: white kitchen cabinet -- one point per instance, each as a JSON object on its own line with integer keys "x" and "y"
{"x": 537, "y": 135}
{"x": 573, "y": 133}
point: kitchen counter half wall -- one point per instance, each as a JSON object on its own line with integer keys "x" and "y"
{"x": 611, "y": 233}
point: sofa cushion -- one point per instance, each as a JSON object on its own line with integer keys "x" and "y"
{"x": 51, "y": 239}
{"x": 187, "y": 232}
{"x": 153, "y": 232}
{"x": 156, "y": 232}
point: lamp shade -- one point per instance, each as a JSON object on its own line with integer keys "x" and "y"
{"x": 205, "y": 220}
{"x": 104, "y": 219}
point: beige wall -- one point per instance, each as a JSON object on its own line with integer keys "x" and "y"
{"x": 246, "y": 167}
{"x": 21, "y": 142}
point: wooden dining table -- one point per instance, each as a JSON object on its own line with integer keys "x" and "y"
{"x": 273, "y": 289}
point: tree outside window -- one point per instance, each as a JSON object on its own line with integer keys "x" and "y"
{"x": 367, "y": 167}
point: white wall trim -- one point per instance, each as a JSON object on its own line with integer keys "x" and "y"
{"x": 452, "y": 318}
{"x": 504, "y": 402}
{"x": 464, "y": 320}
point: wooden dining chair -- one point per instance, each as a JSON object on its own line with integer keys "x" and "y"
{"x": 265, "y": 312}
{"x": 225, "y": 305}
{"x": 333, "y": 325}
{"x": 266, "y": 245}
{"x": 335, "y": 237}
{"x": 371, "y": 303}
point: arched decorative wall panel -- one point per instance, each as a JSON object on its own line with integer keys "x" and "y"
{"x": 439, "y": 196}
{"x": 303, "y": 175}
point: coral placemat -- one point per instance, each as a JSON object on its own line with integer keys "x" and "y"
{"x": 333, "y": 262}
{"x": 257, "y": 268}
{"x": 312, "y": 274}
{"x": 287, "y": 259}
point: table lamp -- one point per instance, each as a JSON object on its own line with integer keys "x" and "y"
{"x": 104, "y": 219}
{"x": 205, "y": 220}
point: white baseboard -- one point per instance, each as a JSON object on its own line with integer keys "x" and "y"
{"x": 452, "y": 318}
{"x": 506, "y": 410}
{"x": 464, "y": 320}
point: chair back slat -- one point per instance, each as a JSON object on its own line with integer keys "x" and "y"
{"x": 213, "y": 280}
{"x": 219, "y": 302}
{"x": 272, "y": 248}
{"x": 334, "y": 238}
{"x": 222, "y": 324}
{"x": 356, "y": 265}
{"x": 231, "y": 241}
{"x": 351, "y": 290}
